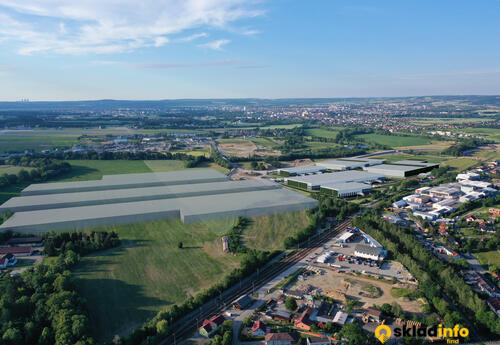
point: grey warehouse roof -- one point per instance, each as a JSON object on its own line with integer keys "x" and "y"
{"x": 191, "y": 209}
{"x": 128, "y": 181}
{"x": 304, "y": 169}
{"x": 340, "y": 164}
{"x": 415, "y": 163}
{"x": 337, "y": 177}
{"x": 39, "y": 202}
{"x": 392, "y": 167}
{"x": 361, "y": 248}
{"x": 346, "y": 187}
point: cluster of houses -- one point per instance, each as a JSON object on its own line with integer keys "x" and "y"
{"x": 432, "y": 203}
{"x": 18, "y": 247}
{"x": 479, "y": 283}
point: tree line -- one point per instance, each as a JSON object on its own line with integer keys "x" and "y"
{"x": 43, "y": 169}
{"x": 82, "y": 243}
{"x": 41, "y": 306}
{"x": 436, "y": 278}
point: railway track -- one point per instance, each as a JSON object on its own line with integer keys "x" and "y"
{"x": 188, "y": 325}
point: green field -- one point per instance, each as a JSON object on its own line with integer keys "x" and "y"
{"x": 269, "y": 232}
{"x": 266, "y": 142}
{"x": 461, "y": 163}
{"x": 487, "y": 132}
{"x": 320, "y": 132}
{"x": 126, "y": 286}
{"x": 164, "y": 165}
{"x": 399, "y": 157}
{"x": 489, "y": 258}
{"x": 94, "y": 169}
{"x": 20, "y": 143}
{"x": 394, "y": 140}
{"x": 11, "y": 169}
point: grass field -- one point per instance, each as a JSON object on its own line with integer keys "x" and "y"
{"x": 487, "y": 132}
{"x": 20, "y": 143}
{"x": 489, "y": 258}
{"x": 394, "y": 140}
{"x": 399, "y": 157}
{"x": 95, "y": 169}
{"x": 9, "y": 192}
{"x": 266, "y": 142}
{"x": 126, "y": 286}
{"x": 171, "y": 165}
{"x": 461, "y": 163}
{"x": 11, "y": 169}
{"x": 269, "y": 232}
{"x": 320, "y": 132}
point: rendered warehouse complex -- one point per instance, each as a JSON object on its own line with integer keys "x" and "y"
{"x": 191, "y": 195}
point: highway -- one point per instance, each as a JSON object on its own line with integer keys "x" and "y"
{"x": 185, "y": 327}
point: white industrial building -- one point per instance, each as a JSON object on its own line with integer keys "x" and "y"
{"x": 301, "y": 170}
{"x": 400, "y": 171}
{"x": 191, "y": 202}
{"x": 343, "y": 190}
{"x": 314, "y": 182}
{"x": 368, "y": 252}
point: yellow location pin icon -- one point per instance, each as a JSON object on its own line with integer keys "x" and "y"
{"x": 383, "y": 333}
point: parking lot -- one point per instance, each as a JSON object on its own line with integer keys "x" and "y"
{"x": 342, "y": 259}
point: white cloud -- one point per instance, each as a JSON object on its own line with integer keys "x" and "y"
{"x": 97, "y": 26}
{"x": 192, "y": 37}
{"x": 215, "y": 45}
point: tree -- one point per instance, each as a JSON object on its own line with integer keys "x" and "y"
{"x": 180, "y": 245}
{"x": 162, "y": 327}
{"x": 291, "y": 304}
{"x": 12, "y": 336}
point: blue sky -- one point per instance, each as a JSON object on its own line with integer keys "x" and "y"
{"x": 165, "y": 49}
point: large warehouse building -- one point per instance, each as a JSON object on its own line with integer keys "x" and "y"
{"x": 126, "y": 181}
{"x": 314, "y": 182}
{"x": 191, "y": 202}
{"x": 395, "y": 170}
{"x": 345, "y": 190}
{"x": 301, "y": 170}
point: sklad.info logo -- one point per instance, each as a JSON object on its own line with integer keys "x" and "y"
{"x": 383, "y": 332}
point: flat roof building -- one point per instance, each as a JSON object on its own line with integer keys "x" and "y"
{"x": 336, "y": 164}
{"x": 342, "y": 190}
{"x": 301, "y": 170}
{"x": 314, "y": 182}
{"x": 125, "y": 181}
{"x": 189, "y": 210}
{"x": 368, "y": 252}
{"x": 102, "y": 197}
{"x": 392, "y": 170}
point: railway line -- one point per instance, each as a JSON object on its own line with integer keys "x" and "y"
{"x": 188, "y": 325}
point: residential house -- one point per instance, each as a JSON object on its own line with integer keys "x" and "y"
{"x": 374, "y": 314}
{"x": 259, "y": 329}
{"x": 340, "y": 318}
{"x": 242, "y": 302}
{"x": 279, "y": 339}
{"x": 18, "y": 251}
{"x": 494, "y": 304}
{"x": 318, "y": 341}
{"x": 322, "y": 313}
{"x": 211, "y": 326}
{"x": 7, "y": 260}
{"x": 282, "y": 316}
{"x": 303, "y": 321}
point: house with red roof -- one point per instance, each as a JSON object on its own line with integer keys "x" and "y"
{"x": 18, "y": 251}
{"x": 211, "y": 326}
{"x": 259, "y": 329}
{"x": 303, "y": 321}
{"x": 279, "y": 339}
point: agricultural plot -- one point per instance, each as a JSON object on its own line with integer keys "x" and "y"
{"x": 11, "y": 169}
{"x": 164, "y": 165}
{"x": 128, "y": 285}
{"x": 394, "y": 140}
{"x": 269, "y": 232}
{"x": 461, "y": 163}
{"x": 83, "y": 170}
{"x": 21, "y": 142}
{"x": 491, "y": 258}
{"x": 400, "y": 157}
{"x": 320, "y": 132}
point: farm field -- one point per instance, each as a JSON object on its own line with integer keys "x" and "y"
{"x": 164, "y": 165}
{"x": 269, "y": 232}
{"x": 266, "y": 142}
{"x": 430, "y": 121}
{"x": 128, "y": 285}
{"x": 94, "y": 169}
{"x": 399, "y": 157}
{"x": 320, "y": 132}
{"x": 22, "y": 142}
{"x": 487, "y": 132}
{"x": 394, "y": 140}
{"x": 461, "y": 163}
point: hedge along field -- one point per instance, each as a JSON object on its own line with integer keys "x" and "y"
{"x": 127, "y": 286}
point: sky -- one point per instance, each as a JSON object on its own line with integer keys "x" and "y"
{"x": 170, "y": 49}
